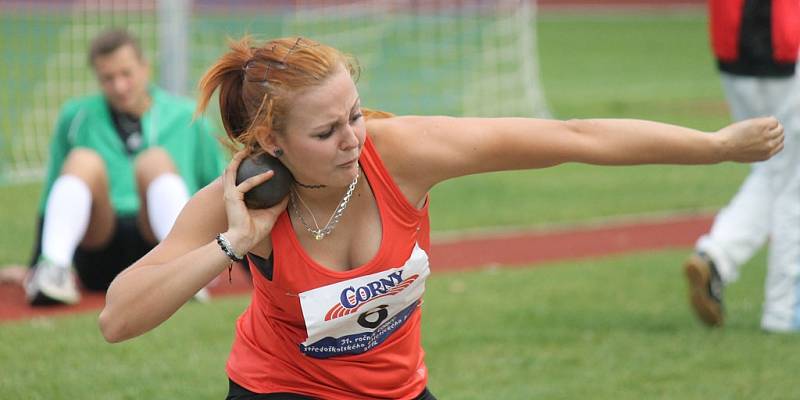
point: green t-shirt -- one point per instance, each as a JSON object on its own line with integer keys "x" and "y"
{"x": 169, "y": 124}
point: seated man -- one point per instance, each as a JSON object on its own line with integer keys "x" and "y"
{"x": 122, "y": 165}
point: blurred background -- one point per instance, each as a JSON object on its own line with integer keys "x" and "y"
{"x": 614, "y": 327}
{"x": 417, "y": 57}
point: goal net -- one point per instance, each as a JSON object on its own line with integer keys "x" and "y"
{"x": 451, "y": 57}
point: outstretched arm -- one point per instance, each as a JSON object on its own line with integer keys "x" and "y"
{"x": 423, "y": 151}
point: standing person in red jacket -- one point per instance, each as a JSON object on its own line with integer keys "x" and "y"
{"x": 756, "y": 45}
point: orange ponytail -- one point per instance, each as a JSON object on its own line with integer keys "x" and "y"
{"x": 256, "y": 83}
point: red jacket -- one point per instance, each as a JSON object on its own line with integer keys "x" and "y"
{"x": 755, "y": 37}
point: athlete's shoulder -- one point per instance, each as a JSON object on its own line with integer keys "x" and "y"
{"x": 383, "y": 129}
{"x": 394, "y": 133}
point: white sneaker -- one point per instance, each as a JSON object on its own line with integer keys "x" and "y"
{"x": 202, "y": 295}
{"x": 51, "y": 284}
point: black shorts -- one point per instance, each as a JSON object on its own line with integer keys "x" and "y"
{"x": 96, "y": 268}
{"x": 236, "y": 392}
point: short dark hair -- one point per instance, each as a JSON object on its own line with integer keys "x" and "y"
{"x": 109, "y": 41}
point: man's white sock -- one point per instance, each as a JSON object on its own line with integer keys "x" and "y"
{"x": 166, "y": 196}
{"x": 66, "y": 219}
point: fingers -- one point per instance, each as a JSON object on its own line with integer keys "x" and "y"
{"x": 231, "y": 170}
{"x": 229, "y": 175}
{"x": 771, "y": 135}
{"x": 776, "y": 145}
{"x": 254, "y": 181}
{"x": 757, "y": 139}
{"x": 775, "y": 136}
{"x": 777, "y": 131}
{"x": 777, "y": 149}
{"x": 771, "y": 122}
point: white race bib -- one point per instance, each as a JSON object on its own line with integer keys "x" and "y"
{"x": 354, "y": 316}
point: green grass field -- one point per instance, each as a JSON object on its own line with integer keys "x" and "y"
{"x": 616, "y": 328}
{"x": 611, "y": 328}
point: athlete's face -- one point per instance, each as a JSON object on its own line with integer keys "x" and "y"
{"x": 325, "y": 132}
{"x": 124, "y": 77}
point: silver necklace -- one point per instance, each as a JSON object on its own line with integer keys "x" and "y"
{"x": 321, "y": 233}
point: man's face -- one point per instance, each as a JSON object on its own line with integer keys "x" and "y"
{"x": 124, "y": 77}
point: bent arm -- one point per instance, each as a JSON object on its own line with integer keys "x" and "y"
{"x": 152, "y": 289}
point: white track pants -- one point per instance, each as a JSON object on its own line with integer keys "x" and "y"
{"x": 767, "y": 204}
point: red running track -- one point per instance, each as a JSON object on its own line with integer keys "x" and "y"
{"x": 510, "y": 249}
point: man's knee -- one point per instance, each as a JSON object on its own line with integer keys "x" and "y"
{"x": 152, "y": 163}
{"x": 86, "y": 164}
{"x": 89, "y": 167}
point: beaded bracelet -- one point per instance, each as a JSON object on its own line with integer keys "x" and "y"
{"x": 226, "y": 247}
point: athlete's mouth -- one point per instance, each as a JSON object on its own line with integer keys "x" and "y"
{"x": 348, "y": 163}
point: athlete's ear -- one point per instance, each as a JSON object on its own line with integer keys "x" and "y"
{"x": 267, "y": 140}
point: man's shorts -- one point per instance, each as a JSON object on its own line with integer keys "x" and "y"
{"x": 98, "y": 267}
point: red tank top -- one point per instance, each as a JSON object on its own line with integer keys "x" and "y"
{"x": 340, "y": 335}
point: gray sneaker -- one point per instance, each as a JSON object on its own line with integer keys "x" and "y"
{"x": 51, "y": 284}
{"x": 705, "y": 289}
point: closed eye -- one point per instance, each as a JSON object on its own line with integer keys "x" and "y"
{"x": 325, "y": 135}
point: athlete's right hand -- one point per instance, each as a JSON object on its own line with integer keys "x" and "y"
{"x": 751, "y": 140}
{"x": 247, "y": 227}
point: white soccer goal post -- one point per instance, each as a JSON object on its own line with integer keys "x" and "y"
{"x": 464, "y": 57}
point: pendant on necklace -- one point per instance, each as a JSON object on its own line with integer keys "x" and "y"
{"x": 318, "y": 236}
